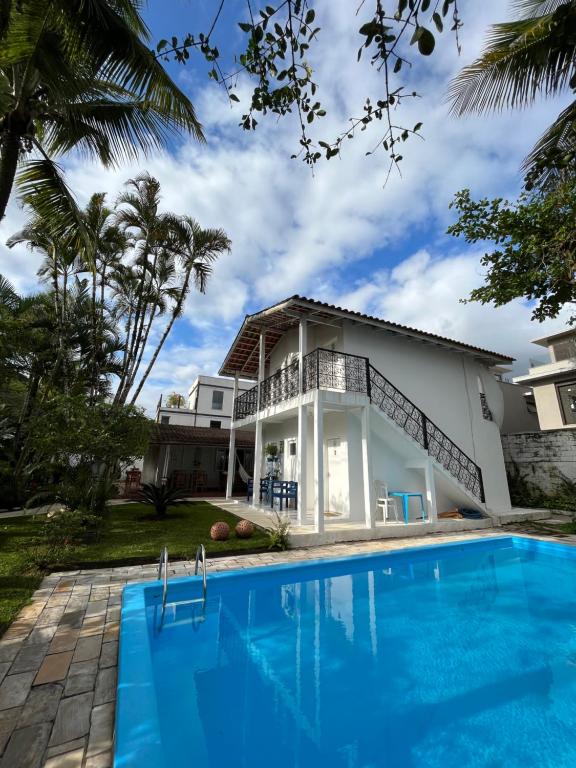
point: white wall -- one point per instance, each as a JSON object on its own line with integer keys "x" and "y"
{"x": 444, "y": 384}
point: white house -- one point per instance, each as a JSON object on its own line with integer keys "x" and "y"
{"x": 209, "y": 404}
{"x": 360, "y": 407}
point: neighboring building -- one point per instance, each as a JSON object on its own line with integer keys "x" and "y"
{"x": 554, "y": 382}
{"x": 209, "y": 404}
{"x": 195, "y": 458}
{"x": 355, "y": 403}
{"x": 520, "y": 413}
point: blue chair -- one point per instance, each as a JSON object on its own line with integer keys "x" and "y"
{"x": 284, "y": 490}
{"x": 264, "y": 488}
{"x": 406, "y": 496}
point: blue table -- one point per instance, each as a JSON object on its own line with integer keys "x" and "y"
{"x": 405, "y": 496}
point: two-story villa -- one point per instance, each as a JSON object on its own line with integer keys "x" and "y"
{"x": 360, "y": 407}
{"x": 554, "y": 381}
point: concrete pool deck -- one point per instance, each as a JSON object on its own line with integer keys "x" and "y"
{"x": 58, "y": 660}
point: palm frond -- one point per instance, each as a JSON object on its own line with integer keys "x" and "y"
{"x": 522, "y": 59}
{"x": 43, "y": 188}
{"x": 554, "y": 155}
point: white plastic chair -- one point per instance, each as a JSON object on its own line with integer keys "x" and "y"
{"x": 385, "y": 503}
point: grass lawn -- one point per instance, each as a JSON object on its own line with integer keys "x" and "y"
{"x": 131, "y": 535}
{"x": 17, "y": 535}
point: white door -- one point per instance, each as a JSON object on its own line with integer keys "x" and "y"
{"x": 337, "y": 491}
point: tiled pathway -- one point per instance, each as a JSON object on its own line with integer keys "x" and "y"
{"x": 58, "y": 660}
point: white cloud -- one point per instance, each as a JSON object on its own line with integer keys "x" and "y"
{"x": 297, "y": 233}
{"x": 425, "y": 290}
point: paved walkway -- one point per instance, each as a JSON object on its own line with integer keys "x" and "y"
{"x": 58, "y": 659}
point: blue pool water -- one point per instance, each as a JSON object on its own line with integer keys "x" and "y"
{"x": 461, "y": 655}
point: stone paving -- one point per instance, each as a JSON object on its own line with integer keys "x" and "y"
{"x": 58, "y": 660}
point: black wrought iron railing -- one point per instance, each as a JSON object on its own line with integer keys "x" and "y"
{"x": 414, "y": 421}
{"x": 246, "y": 404}
{"x": 281, "y": 386}
{"x": 328, "y": 369}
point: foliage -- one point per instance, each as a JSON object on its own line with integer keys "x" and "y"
{"x": 71, "y": 357}
{"x": 271, "y": 449}
{"x": 534, "y": 243}
{"x": 174, "y": 400}
{"x": 79, "y": 76}
{"x": 524, "y": 493}
{"x": 279, "y": 533}
{"x": 71, "y": 527}
{"x": 526, "y": 58}
{"x": 277, "y": 43}
{"x": 162, "y": 496}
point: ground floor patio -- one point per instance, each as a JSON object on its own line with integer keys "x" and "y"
{"x": 58, "y": 660}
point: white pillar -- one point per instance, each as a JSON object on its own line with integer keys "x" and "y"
{"x": 232, "y": 444}
{"x": 166, "y": 465}
{"x": 258, "y": 437}
{"x": 301, "y": 462}
{"x": 302, "y": 351}
{"x": 431, "y": 491}
{"x": 369, "y": 513}
{"x": 318, "y": 463}
{"x": 257, "y": 463}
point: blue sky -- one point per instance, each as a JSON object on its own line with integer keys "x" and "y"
{"x": 340, "y": 235}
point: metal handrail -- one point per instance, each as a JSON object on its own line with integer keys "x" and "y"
{"x": 201, "y": 555}
{"x": 163, "y": 574}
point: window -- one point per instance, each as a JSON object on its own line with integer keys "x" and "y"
{"x": 567, "y": 398}
{"x": 217, "y": 400}
{"x": 292, "y": 449}
{"x": 215, "y": 424}
{"x": 564, "y": 350}
{"x": 164, "y": 419}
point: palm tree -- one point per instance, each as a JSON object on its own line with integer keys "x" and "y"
{"x": 197, "y": 249}
{"x": 79, "y": 75}
{"x": 531, "y": 56}
{"x": 150, "y": 234}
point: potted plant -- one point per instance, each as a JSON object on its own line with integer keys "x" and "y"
{"x": 271, "y": 451}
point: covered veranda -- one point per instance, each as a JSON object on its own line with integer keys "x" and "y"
{"x": 196, "y": 458}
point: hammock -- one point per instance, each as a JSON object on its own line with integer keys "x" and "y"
{"x": 242, "y": 471}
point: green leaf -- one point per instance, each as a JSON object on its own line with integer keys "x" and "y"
{"x": 244, "y": 26}
{"x": 426, "y": 42}
{"x": 233, "y": 97}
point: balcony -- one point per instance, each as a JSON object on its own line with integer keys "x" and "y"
{"x": 323, "y": 369}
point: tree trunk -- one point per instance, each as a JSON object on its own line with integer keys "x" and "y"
{"x": 175, "y": 313}
{"x": 8, "y": 163}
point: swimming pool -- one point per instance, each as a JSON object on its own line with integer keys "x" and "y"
{"x": 440, "y": 656}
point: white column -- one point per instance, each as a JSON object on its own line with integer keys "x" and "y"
{"x": 369, "y": 513}
{"x": 257, "y": 463}
{"x": 261, "y": 360}
{"x": 318, "y": 463}
{"x": 301, "y": 462}
{"x": 166, "y": 465}
{"x": 302, "y": 351}
{"x": 431, "y": 491}
{"x": 232, "y": 444}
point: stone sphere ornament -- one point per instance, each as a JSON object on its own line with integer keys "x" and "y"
{"x": 244, "y": 529}
{"x": 220, "y": 531}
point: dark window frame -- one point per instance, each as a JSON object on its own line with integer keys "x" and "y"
{"x": 215, "y": 424}
{"x": 565, "y": 421}
{"x": 216, "y": 407}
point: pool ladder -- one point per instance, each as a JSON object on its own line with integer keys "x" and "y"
{"x": 163, "y": 573}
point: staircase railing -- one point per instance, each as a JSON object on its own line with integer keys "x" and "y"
{"x": 401, "y": 410}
